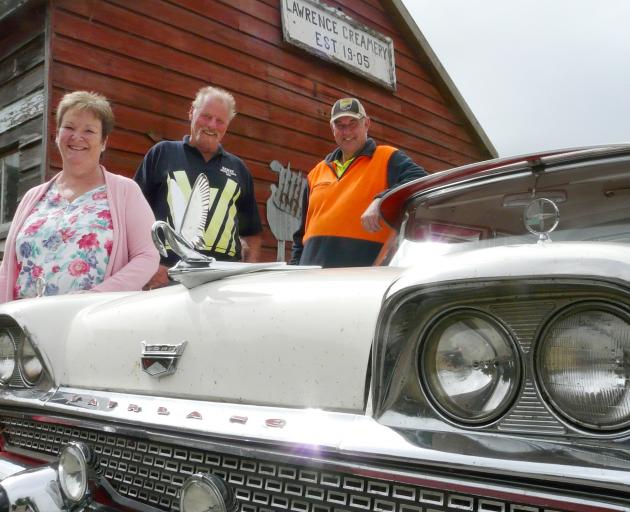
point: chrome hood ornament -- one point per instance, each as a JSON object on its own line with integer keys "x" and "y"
{"x": 186, "y": 238}
{"x": 541, "y": 217}
{"x": 161, "y": 360}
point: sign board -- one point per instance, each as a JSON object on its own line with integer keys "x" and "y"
{"x": 332, "y": 35}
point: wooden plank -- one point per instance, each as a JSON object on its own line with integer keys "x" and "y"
{"x": 28, "y": 181}
{"x": 22, "y": 59}
{"x": 22, "y": 85}
{"x": 320, "y": 110}
{"x": 31, "y": 157}
{"x": 21, "y": 111}
{"x": 29, "y": 129}
{"x": 111, "y": 64}
{"x": 455, "y": 132}
{"x": 408, "y": 77}
{"x": 286, "y": 134}
{"x": 106, "y": 63}
{"x": 294, "y": 60}
{"x": 253, "y": 129}
{"x": 253, "y": 89}
{"x": 244, "y": 125}
{"x": 67, "y": 77}
{"x": 257, "y": 10}
{"x": 19, "y": 32}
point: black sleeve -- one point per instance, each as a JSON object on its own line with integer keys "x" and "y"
{"x": 145, "y": 176}
{"x": 249, "y": 223}
{"x": 401, "y": 169}
{"x": 298, "y": 247}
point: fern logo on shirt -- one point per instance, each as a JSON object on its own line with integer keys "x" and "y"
{"x": 221, "y": 227}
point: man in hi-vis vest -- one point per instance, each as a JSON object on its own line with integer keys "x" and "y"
{"x": 341, "y": 224}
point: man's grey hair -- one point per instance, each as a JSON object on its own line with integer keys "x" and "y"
{"x": 215, "y": 92}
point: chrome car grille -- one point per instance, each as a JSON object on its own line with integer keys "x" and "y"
{"x": 153, "y": 473}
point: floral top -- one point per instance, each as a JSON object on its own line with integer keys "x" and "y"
{"x": 64, "y": 247}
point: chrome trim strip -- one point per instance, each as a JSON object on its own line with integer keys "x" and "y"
{"x": 321, "y": 435}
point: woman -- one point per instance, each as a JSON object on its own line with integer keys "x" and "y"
{"x": 86, "y": 228}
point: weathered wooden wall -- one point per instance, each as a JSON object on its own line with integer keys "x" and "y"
{"x": 150, "y": 56}
{"x": 22, "y": 104}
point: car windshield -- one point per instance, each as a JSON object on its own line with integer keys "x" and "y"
{"x": 585, "y": 201}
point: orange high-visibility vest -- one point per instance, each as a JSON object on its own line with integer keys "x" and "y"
{"x": 335, "y": 205}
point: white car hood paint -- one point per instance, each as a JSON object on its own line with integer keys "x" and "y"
{"x": 610, "y": 261}
{"x": 294, "y": 339}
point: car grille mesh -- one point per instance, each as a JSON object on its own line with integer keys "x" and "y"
{"x": 529, "y": 414}
{"x": 153, "y": 473}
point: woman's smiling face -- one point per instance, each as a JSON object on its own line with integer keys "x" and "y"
{"x": 80, "y": 138}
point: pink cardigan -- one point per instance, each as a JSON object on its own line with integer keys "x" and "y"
{"x": 134, "y": 258}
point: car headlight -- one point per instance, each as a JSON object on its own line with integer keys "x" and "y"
{"x": 31, "y": 365}
{"x": 73, "y": 471}
{"x": 470, "y": 366}
{"x": 203, "y": 492}
{"x": 583, "y": 364}
{"x": 7, "y": 356}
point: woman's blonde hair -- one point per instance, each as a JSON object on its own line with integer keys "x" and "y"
{"x": 93, "y": 102}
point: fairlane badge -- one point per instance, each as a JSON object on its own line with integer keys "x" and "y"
{"x": 161, "y": 360}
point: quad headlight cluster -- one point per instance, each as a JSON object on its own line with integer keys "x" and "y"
{"x": 472, "y": 368}
{"x": 18, "y": 358}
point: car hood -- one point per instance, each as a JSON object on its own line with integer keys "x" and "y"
{"x": 610, "y": 261}
{"x": 283, "y": 338}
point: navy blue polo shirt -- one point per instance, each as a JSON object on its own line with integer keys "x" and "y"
{"x": 166, "y": 176}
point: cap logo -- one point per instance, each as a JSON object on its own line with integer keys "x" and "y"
{"x": 345, "y": 104}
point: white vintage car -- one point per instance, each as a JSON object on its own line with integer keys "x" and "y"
{"x": 484, "y": 367}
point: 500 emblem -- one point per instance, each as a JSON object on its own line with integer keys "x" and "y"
{"x": 161, "y": 360}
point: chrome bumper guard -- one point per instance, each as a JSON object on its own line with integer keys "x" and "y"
{"x": 36, "y": 490}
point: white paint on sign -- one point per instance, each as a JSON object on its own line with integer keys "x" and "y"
{"x": 21, "y": 111}
{"x": 334, "y": 36}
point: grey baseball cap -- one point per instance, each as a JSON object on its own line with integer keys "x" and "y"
{"x": 347, "y": 107}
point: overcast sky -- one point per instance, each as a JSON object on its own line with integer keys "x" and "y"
{"x": 537, "y": 74}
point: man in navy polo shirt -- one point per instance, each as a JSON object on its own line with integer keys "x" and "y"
{"x": 170, "y": 168}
